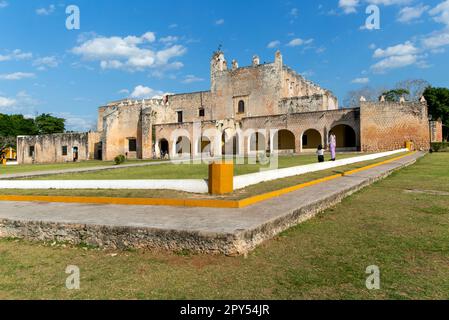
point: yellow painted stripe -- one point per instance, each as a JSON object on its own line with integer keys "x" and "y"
{"x": 125, "y": 201}
{"x": 228, "y": 204}
{"x": 266, "y": 196}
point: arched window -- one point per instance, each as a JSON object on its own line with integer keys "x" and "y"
{"x": 241, "y": 106}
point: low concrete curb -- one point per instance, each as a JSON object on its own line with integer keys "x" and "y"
{"x": 203, "y": 230}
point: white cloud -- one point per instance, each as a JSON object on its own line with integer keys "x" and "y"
{"x": 408, "y": 14}
{"x": 16, "y": 76}
{"x": 191, "y": 79}
{"x": 219, "y": 22}
{"x": 348, "y": 6}
{"x": 141, "y": 92}
{"x": 441, "y": 13}
{"x": 361, "y": 80}
{"x": 169, "y": 39}
{"x": 3, "y": 4}
{"x": 46, "y": 62}
{"x": 123, "y": 91}
{"x": 21, "y": 103}
{"x": 401, "y": 49}
{"x": 398, "y": 56}
{"x": 394, "y": 62}
{"x": 79, "y": 123}
{"x": 46, "y": 11}
{"x": 7, "y": 102}
{"x": 294, "y": 12}
{"x": 173, "y": 26}
{"x": 130, "y": 53}
{"x": 299, "y": 42}
{"x": 16, "y": 55}
{"x": 274, "y": 44}
{"x": 389, "y": 2}
{"x": 436, "y": 40}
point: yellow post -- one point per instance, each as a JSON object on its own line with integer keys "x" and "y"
{"x": 409, "y": 145}
{"x": 4, "y": 161}
{"x": 221, "y": 178}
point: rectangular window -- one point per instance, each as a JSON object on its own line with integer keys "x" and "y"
{"x": 132, "y": 145}
{"x": 202, "y": 112}
{"x": 180, "y": 120}
{"x": 64, "y": 150}
{"x": 31, "y": 151}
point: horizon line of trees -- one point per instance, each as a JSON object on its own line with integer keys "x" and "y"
{"x": 15, "y": 125}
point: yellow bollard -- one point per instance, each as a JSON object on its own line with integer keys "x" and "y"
{"x": 4, "y": 162}
{"x": 409, "y": 145}
{"x": 221, "y": 178}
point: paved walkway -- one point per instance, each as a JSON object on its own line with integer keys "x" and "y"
{"x": 244, "y": 228}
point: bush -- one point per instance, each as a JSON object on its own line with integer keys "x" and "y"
{"x": 440, "y": 146}
{"x": 119, "y": 159}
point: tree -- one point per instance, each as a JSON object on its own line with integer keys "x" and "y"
{"x": 47, "y": 124}
{"x": 395, "y": 94}
{"x": 352, "y": 99}
{"x": 415, "y": 87}
{"x": 15, "y": 125}
{"x": 438, "y": 103}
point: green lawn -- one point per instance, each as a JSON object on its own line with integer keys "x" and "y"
{"x": 45, "y": 167}
{"x": 182, "y": 171}
{"x": 58, "y": 166}
{"x": 405, "y": 233}
{"x": 170, "y": 170}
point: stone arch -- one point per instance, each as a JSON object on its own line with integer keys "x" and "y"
{"x": 183, "y": 146}
{"x": 229, "y": 143}
{"x": 204, "y": 145}
{"x": 284, "y": 140}
{"x": 258, "y": 142}
{"x": 311, "y": 139}
{"x": 346, "y": 137}
{"x": 163, "y": 148}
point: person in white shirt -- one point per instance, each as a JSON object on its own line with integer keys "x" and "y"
{"x": 320, "y": 153}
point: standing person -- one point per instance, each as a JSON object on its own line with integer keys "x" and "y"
{"x": 320, "y": 153}
{"x": 333, "y": 146}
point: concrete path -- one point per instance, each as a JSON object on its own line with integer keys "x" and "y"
{"x": 229, "y": 231}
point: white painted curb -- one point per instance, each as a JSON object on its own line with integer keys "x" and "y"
{"x": 246, "y": 180}
{"x": 197, "y": 186}
{"x": 192, "y": 185}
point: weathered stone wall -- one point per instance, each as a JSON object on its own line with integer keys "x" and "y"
{"x": 298, "y": 123}
{"x": 321, "y": 122}
{"x": 436, "y": 128}
{"x": 387, "y": 126}
{"x": 48, "y": 148}
{"x": 94, "y": 145}
{"x": 120, "y": 124}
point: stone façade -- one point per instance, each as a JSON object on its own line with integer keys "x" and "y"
{"x": 262, "y": 107}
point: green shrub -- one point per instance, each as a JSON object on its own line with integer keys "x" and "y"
{"x": 440, "y": 146}
{"x": 119, "y": 159}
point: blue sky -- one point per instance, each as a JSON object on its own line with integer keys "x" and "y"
{"x": 143, "y": 48}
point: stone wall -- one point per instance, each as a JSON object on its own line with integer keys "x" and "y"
{"x": 120, "y": 124}
{"x": 49, "y": 148}
{"x": 242, "y": 131}
{"x": 436, "y": 128}
{"x": 387, "y": 125}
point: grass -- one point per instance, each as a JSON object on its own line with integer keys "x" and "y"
{"x": 169, "y": 172}
{"x": 406, "y": 234}
{"x": 181, "y": 171}
{"x": 26, "y": 168}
